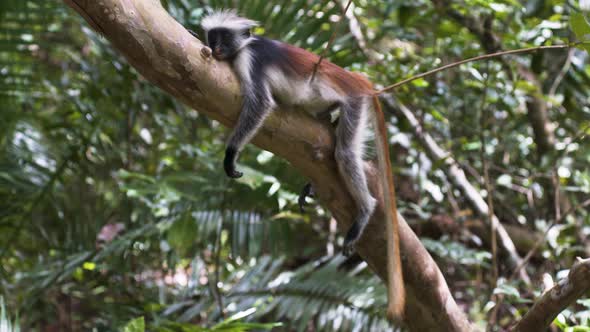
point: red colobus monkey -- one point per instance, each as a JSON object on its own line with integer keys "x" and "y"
{"x": 271, "y": 73}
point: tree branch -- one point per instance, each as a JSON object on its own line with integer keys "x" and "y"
{"x": 165, "y": 53}
{"x": 555, "y": 300}
{"x": 477, "y": 58}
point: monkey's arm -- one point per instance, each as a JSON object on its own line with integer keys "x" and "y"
{"x": 257, "y": 104}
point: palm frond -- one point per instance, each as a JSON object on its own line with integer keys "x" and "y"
{"x": 6, "y": 325}
{"x": 321, "y": 293}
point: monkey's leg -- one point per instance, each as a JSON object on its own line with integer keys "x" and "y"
{"x": 349, "y": 152}
{"x": 256, "y": 107}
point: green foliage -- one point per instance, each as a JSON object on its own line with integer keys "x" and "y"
{"x": 136, "y": 325}
{"x": 581, "y": 28}
{"x": 457, "y": 252}
{"x": 308, "y": 294}
{"x": 231, "y": 324}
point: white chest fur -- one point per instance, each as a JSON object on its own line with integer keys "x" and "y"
{"x": 243, "y": 67}
{"x": 314, "y": 97}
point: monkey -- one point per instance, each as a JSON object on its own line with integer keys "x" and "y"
{"x": 273, "y": 73}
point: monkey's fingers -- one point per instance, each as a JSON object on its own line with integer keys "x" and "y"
{"x": 193, "y": 33}
{"x": 231, "y": 172}
{"x": 348, "y": 250}
{"x": 301, "y": 203}
{"x": 229, "y": 163}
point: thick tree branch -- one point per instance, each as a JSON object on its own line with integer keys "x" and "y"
{"x": 555, "y": 300}
{"x": 165, "y": 53}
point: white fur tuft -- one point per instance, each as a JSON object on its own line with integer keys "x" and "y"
{"x": 228, "y": 19}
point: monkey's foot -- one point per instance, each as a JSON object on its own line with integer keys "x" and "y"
{"x": 352, "y": 236}
{"x": 348, "y": 249}
{"x": 229, "y": 162}
{"x": 233, "y": 174}
{"x": 307, "y": 191}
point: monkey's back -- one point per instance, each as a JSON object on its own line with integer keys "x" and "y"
{"x": 348, "y": 82}
{"x": 299, "y": 64}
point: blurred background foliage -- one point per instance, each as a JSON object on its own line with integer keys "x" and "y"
{"x": 115, "y": 213}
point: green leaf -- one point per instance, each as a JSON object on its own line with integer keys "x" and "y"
{"x": 182, "y": 234}
{"x": 420, "y": 83}
{"x": 233, "y": 323}
{"x": 136, "y": 325}
{"x": 582, "y": 30}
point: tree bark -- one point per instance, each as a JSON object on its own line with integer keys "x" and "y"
{"x": 556, "y": 299}
{"x": 165, "y": 53}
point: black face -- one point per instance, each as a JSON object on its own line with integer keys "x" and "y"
{"x": 223, "y": 42}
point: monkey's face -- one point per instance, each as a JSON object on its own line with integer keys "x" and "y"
{"x": 225, "y": 43}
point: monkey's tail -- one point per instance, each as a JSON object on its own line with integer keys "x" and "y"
{"x": 396, "y": 294}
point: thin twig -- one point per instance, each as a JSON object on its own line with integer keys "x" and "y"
{"x": 556, "y": 193}
{"x": 354, "y": 27}
{"x": 490, "y": 200}
{"x": 487, "y": 182}
{"x": 329, "y": 44}
{"x": 218, "y": 263}
{"x": 488, "y": 186}
{"x": 562, "y": 73}
{"x": 477, "y": 58}
{"x": 216, "y": 289}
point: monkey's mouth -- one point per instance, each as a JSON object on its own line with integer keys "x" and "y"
{"x": 218, "y": 54}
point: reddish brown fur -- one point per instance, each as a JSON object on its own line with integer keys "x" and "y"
{"x": 303, "y": 63}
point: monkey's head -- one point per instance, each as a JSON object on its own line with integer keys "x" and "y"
{"x": 227, "y": 33}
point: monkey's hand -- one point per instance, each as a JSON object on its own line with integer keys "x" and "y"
{"x": 196, "y": 35}
{"x": 229, "y": 163}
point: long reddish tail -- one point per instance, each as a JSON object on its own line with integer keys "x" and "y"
{"x": 396, "y": 294}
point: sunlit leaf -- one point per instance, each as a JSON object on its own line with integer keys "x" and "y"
{"x": 581, "y": 28}
{"x": 136, "y": 325}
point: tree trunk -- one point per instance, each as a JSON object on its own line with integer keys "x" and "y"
{"x": 169, "y": 56}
